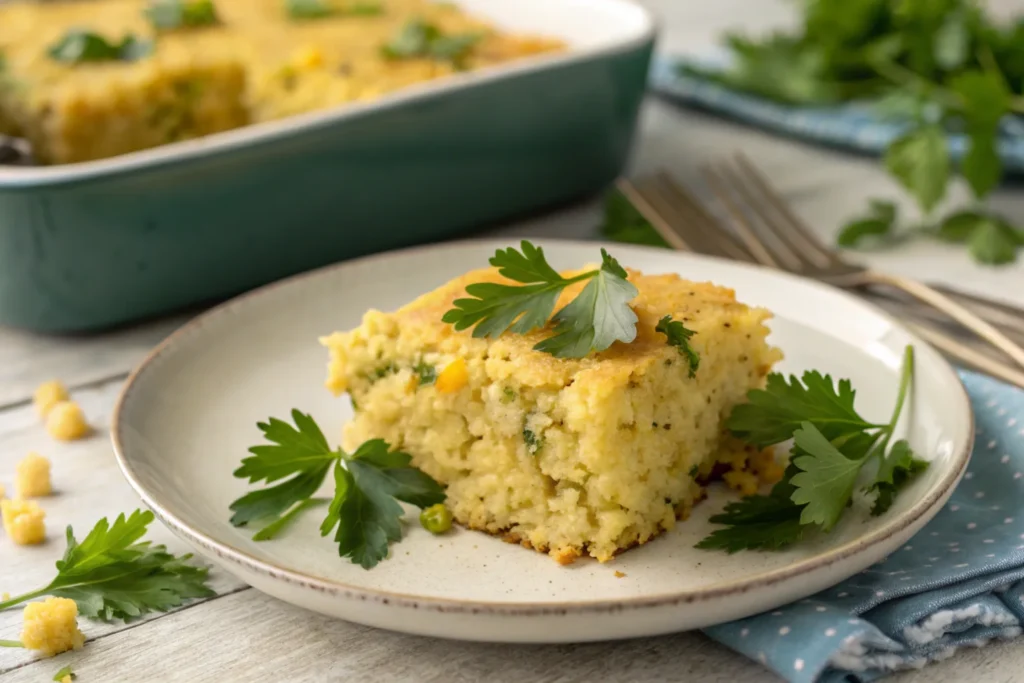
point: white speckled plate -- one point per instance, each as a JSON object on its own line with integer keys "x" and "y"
{"x": 189, "y": 412}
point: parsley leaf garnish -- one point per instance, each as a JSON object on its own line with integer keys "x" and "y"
{"x": 79, "y": 46}
{"x": 623, "y": 223}
{"x": 679, "y": 337}
{"x": 368, "y": 484}
{"x": 112, "y": 574}
{"x": 418, "y": 38}
{"x": 167, "y": 15}
{"x": 599, "y": 316}
{"x": 832, "y": 447}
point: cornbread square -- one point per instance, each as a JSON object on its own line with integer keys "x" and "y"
{"x": 51, "y": 626}
{"x": 104, "y": 110}
{"x": 32, "y": 477}
{"x": 567, "y": 456}
{"x": 23, "y": 521}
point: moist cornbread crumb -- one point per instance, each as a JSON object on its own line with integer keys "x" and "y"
{"x": 66, "y": 679}
{"x": 567, "y": 456}
{"x": 47, "y": 395}
{"x": 32, "y": 477}
{"x": 51, "y": 627}
{"x": 65, "y": 422}
{"x": 23, "y": 521}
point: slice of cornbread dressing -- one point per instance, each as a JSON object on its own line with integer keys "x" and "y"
{"x": 567, "y": 456}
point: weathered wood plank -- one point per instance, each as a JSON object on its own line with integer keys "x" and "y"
{"x": 87, "y": 486}
{"x": 26, "y": 359}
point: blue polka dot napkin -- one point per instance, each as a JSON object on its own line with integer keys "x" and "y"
{"x": 858, "y": 125}
{"x": 958, "y": 583}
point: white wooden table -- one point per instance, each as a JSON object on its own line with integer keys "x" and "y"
{"x": 243, "y": 635}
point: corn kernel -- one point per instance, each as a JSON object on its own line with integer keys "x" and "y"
{"x": 51, "y": 626}
{"x": 66, "y": 422}
{"x": 33, "y": 477}
{"x": 453, "y": 377}
{"x": 23, "y": 521}
{"x": 47, "y": 395}
{"x": 308, "y": 58}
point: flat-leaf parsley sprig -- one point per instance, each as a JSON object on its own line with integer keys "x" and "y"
{"x": 363, "y": 513}
{"x": 111, "y": 574}
{"x": 832, "y": 447}
{"x": 679, "y": 337}
{"x": 596, "y": 318}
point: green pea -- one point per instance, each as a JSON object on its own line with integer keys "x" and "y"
{"x": 436, "y": 519}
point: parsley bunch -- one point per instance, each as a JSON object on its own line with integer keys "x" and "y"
{"x": 833, "y": 448}
{"x": 599, "y": 316}
{"x": 364, "y": 512}
{"x": 112, "y": 574}
{"x": 940, "y": 66}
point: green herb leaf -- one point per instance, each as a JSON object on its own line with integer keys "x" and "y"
{"x": 994, "y": 243}
{"x": 79, "y": 46}
{"x": 879, "y": 222}
{"x": 318, "y": 9}
{"x": 64, "y": 673}
{"x": 274, "y": 529}
{"x": 894, "y": 472}
{"x": 986, "y": 100}
{"x": 300, "y": 452}
{"x": 827, "y": 478}
{"x": 364, "y": 508}
{"x": 167, "y": 15}
{"x": 952, "y": 42}
{"x": 623, "y": 223}
{"x": 959, "y": 226}
{"x": 418, "y": 38}
{"x": 920, "y": 161}
{"x": 679, "y": 337}
{"x": 596, "y": 318}
{"x": 425, "y": 372}
{"x": 757, "y": 522}
{"x": 773, "y": 414}
{"x": 112, "y": 574}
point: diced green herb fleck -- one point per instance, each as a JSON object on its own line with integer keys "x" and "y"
{"x": 533, "y": 441}
{"x": 418, "y": 38}
{"x": 78, "y": 46}
{"x": 384, "y": 370}
{"x": 167, "y": 15}
{"x": 425, "y": 372}
{"x": 693, "y": 472}
{"x": 318, "y": 9}
{"x": 508, "y": 395}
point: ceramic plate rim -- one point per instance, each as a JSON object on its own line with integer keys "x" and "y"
{"x": 958, "y": 464}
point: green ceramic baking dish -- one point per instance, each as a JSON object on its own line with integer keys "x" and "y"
{"x": 91, "y": 245}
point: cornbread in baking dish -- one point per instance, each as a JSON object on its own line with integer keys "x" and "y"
{"x": 570, "y": 456}
{"x": 257, "y": 63}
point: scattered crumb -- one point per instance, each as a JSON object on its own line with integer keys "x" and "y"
{"x": 3, "y": 491}
{"x": 66, "y": 679}
{"x": 49, "y": 394}
{"x": 5, "y": 597}
{"x": 33, "y": 477}
{"x": 51, "y": 626}
{"x": 23, "y": 521}
{"x": 66, "y": 422}
{"x": 620, "y": 575}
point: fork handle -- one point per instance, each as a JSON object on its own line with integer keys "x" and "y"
{"x": 996, "y": 312}
{"x": 943, "y": 303}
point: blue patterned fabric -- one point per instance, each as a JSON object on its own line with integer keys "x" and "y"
{"x": 957, "y": 583}
{"x": 856, "y": 126}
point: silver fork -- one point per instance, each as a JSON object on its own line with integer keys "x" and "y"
{"x": 773, "y": 238}
{"x": 688, "y": 225}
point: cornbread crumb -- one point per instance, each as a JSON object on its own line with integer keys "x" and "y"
{"x": 744, "y": 482}
{"x": 65, "y": 422}
{"x": 51, "y": 627}
{"x": 620, "y": 575}
{"x": 5, "y": 597}
{"x": 23, "y": 521}
{"x": 66, "y": 679}
{"x": 569, "y": 456}
{"x": 32, "y": 478}
{"x": 49, "y": 394}
{"x": 3, "y": 491}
